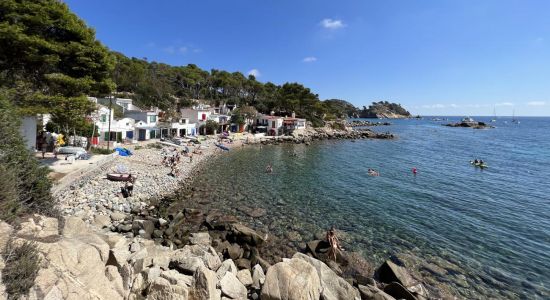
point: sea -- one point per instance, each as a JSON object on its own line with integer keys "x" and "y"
{"x": 480, "y": 233}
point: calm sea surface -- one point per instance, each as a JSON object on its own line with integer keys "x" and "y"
{"x": 489, "y": 230}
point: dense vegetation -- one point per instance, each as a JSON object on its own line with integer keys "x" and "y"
{"x": 381, "y": 109}
{"x": 24, "y": 186}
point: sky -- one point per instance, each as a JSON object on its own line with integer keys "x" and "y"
{"x": 435, "y": 57}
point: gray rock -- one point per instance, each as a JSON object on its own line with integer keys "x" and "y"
{"x": 204, "y": 286}
{"x": 247, "y": 235}
{"x": 398, "y": 291}
{"x": 174, "y": 277}
{"x": 291, "y": 279}
{"x": 227, "y": 266}
{"x": 200, "y": 238}
{"x": 232, "y": 287}
{"x": 188, "y": 265}
{"x": 369, "y": 292}
{"x": 390, "y": 272}
{"x": 102, "y": 221}
{"x": 333, "y": 286}
{"x": 245, "y": 277}
{"x": 161, "y": 289}
{"x": 258, "y": 277}
{"x": 118, "y": 216}
{"x": 234, "y": 251}
{"x": 207, "y": 254}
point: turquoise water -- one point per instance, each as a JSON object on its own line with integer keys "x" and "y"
{"x": 488, "y": 229}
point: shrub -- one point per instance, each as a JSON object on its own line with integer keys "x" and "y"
{"x": 101, "y": 151}
{"x": 138, "y": 147}
{"x": 25, "y": 187}
{"x": 22, "y": 262}
{"x": 154, "y": 146}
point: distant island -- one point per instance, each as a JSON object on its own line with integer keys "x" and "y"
{"x": 379, "y": 110}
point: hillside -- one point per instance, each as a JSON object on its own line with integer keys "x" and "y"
{"x": 384, "y": 110}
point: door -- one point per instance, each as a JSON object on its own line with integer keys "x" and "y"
{"x": 129, "y": 135}
{"x": 142, "y": 134}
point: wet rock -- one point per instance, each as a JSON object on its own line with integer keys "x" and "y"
{"x": 232, "y": 287}
{"x": 370, "y": 292}
{"x": 243, "y": 234}
{"x": 390, "y": 272}
{"x": 291, "y": 279}
{"x": 398, "y": 291}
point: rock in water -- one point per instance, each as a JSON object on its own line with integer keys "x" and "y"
{"x": 390, "y": 272}
{"x": 291, "y": 279}
{"x": 398, "y": 291}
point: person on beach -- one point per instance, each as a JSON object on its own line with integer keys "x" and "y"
{"x": 130, "y": 185}
{"x": 190, "y": 157}
{"x": 334, "y": 243}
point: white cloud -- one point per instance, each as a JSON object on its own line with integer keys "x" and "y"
{"x": 332, "y": 24}
{"x": 170, "y": 50}
{"x": 536, "y": 103}
{"x": 309, "y": 59}
{"x": 182, "y": 50}
{"x": 504, "y": 104}
{"x": 433, "y": 106}
{"x": 255, "y": 72}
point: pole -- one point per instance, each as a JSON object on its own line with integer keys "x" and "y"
{"x": 109, "y": 130}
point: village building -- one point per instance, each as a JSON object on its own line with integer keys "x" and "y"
{"x": 270, "y": 125}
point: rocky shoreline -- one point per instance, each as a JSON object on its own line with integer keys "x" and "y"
{"x": 157, "y": 253}
{"x": 365, "y": 123}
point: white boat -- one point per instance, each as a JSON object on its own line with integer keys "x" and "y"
{"x": 494, "y": 119}
{"x": 468, "y": 120}
{"x": 514, "y": 120}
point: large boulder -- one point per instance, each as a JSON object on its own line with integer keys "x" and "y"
{"x": 390, "y": 272}
{"x": 398, "y": 291}
{"x": 291, "y": 279}
{"x": 232, "y": 287}
{"x": 333, "y": 286}
{"x": 161, "y": 289}
{"x": 369, "y": 292}
{"x": 206, "y": 253}
{"x": 204, "y": 286}
{"x": 40, "y": 227}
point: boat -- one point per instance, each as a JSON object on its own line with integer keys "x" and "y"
{"x": 222, "y": 147}
{"x": 120, "y": 177}
{"x": 478, "y": 165}
{"x": 494, "y": 119}
{"x": 514, "y": 120}
{"x": 467, "y": 120}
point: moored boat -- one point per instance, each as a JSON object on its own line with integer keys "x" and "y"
{"x": 120, "y": 177}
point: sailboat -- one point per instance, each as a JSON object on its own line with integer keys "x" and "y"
{"x": 494, "y": 119}
{"x": 514, "y": 120}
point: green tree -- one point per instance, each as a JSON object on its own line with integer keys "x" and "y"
{"x": 53, "y": 60}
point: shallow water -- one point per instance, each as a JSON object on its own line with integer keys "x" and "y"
{"x": 489, "y": 229}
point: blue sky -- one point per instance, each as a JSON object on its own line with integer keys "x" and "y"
{"x": 462, "y": 57}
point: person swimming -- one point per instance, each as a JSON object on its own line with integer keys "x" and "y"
{"x": 269, "y": 169}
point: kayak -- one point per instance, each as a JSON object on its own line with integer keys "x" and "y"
{"x": 222, "y": 147}
{"x": 479, "y": 165}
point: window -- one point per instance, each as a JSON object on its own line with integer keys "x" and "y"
{"x": 273, "y": 124}
{"x": 103, "y": 118}
{"x": 203, "y": 117}
{"x": 152, "y": 119}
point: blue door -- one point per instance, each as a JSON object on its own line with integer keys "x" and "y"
{"x": 129, "y": 134}
{"x": 142, "y": 134}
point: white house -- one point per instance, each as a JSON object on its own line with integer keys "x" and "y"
{"x": 195, "y": 114}
{"x": 146, "y": 124}
{"x": 273, "y": 125}
{"x": 181, "y": 128}
{"x": 28, "y": 131}
{"x": 119, "y": 129}
{"x": 293, "y": 123}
